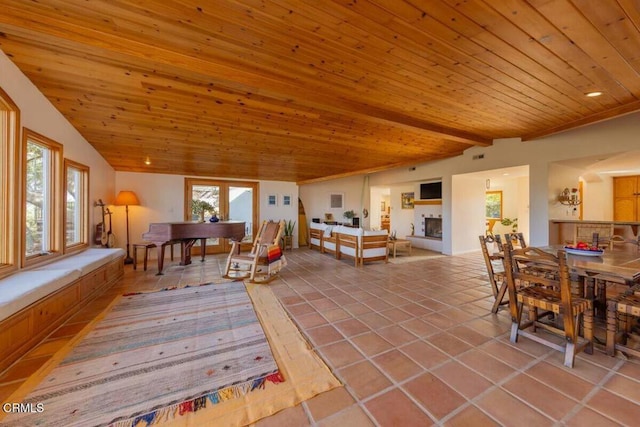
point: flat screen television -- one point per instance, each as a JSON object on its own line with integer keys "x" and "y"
{"x": 431, "y": 190}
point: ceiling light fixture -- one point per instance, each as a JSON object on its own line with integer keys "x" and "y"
{"x": 593, "y": 94}
{"x": 147, "y": 161}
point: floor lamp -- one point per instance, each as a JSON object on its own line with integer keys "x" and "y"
{"x": 126, "y": 199}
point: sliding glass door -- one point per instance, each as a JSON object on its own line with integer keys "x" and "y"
{"x": 227, "y": 200}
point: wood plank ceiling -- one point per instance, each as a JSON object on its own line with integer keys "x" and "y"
{"x": 304, "y": 90}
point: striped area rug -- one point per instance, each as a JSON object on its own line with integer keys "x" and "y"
{"x": 156, "y": 356}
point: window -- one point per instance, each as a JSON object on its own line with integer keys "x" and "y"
{"x": 229, "y": 200}
{"x": 76, "y": 202}
{"x": 493, "y": 204}
{"x": 42, "y": 197}
{"x": 9, "y": 125}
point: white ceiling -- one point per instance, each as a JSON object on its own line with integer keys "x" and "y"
{"x": 627, "y": 163}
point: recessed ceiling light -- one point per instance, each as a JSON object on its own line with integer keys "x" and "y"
{"x": 593, "y": 94}
{"x": 147, "y": 161}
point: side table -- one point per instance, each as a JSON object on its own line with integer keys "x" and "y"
{"x": 393, "y": 245}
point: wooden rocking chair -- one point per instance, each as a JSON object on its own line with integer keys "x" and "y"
{"x": 265, "y": 259}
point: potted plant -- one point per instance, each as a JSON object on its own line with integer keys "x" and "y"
{"x": 288, "y": 227}
{"x": 350, "y": 214}
{"x": 508, "y": 222}
{"x": 287, "y": 239}
{"x": 199, "y": 207}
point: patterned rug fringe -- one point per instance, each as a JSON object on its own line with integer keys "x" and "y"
{"x": 165, "y": 414}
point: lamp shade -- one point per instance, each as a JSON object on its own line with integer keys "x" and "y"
{"x": 127, "y": 198}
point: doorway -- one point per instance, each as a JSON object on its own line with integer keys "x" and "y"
{"x": 229, "y": 200}
{"x": 496, "y": 200}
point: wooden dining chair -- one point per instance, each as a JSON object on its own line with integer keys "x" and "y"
{"x": 515, "y": 238}
{"x": 491, "y": 244}
{"x": 597, "y": 286}
{"x": 546, "y": 296}
{"x": 623, "y": 312}
{"x": 620, "y": 242}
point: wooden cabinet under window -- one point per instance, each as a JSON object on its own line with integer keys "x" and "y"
{"x": 626, "y": 198}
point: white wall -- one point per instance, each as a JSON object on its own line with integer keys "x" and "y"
{"x": 162, "y": 200}
{"x": 401, "y": 219}
{"x": 597, "y": 193}
{"x": 523, "y": 207}
{"x": 468, "y": 209}
{"x": 561, "y": 177}
{"x": 610, "y": 137}
{"x": 39, "y": 115}
{"x": 276, "y": 213}
{"x": 315, "y": 198}
{"x": 467, "y": 213}
{"x": 597, "y": 203}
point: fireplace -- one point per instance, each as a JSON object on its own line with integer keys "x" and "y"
{"x": 433, "y": 228}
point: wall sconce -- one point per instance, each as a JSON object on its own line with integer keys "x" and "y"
{"x": 569, "y": 197}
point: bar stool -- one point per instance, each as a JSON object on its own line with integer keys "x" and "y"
{"x": 146, "y": 246}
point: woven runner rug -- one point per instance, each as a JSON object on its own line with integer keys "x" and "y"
{"x": 156, "y": 356}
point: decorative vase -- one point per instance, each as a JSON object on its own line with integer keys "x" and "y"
{"x": 214, "y": 218}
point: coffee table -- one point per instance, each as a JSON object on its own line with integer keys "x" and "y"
{"x": 393, "y": 245}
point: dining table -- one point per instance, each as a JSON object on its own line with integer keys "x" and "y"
{"x": 616, "y": 266}
{"x": 620, "y": 265}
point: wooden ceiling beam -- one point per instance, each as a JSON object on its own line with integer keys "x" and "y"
{"x": 594, "y": 118}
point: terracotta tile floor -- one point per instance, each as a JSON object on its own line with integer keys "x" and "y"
{"x": 414, "y": 344}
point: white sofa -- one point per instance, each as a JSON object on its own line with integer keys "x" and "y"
{"x": 374, "y": 246}
{"x": 316, "y": 234}
{"x": 361, "y": 245}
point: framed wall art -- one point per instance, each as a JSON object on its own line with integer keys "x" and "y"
{"x": 407, "y": 200}
{"x": 493, "y": 204}
{"x": 336, "y": 200}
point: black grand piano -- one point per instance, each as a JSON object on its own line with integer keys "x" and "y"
{"x": 188, "y": 232}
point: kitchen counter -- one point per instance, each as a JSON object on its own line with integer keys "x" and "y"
{"x": 561, "y": 230}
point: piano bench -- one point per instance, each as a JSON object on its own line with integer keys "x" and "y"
{"x": 146, "y": 246}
